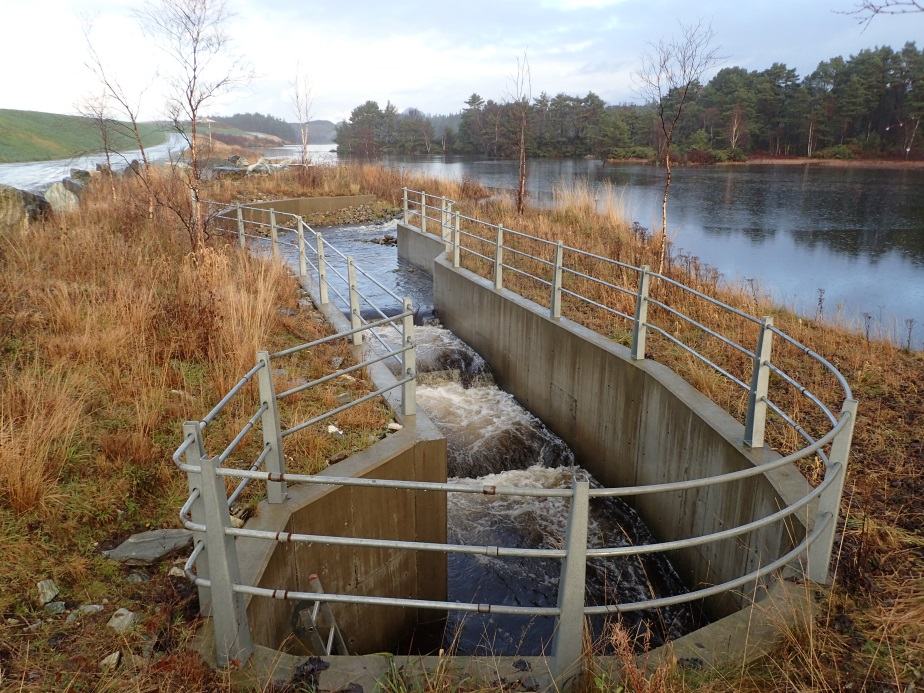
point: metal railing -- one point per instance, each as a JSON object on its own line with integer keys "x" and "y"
{"x": 213, "y": 563}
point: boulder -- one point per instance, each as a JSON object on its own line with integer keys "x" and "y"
{"x": 148, "y": 548}
{"x": 103, "y": 168}
{"x": 81, "y": 176}
{"x": 75, "y": 186}
{"x": 61, "y": 199}
{"x": 134, "y": 167}
{"x": 18, "y": 205}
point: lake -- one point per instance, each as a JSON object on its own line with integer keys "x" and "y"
{"x": 856, "y": 233}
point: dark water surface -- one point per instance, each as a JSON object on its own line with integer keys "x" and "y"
{"x": 857, "y": 233}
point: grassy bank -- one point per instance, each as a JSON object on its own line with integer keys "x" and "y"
{"x": 112, "y": 334}
{"x": 35, "y": 136}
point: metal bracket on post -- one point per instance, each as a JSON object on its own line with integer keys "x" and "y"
{"x": 355, "y": 320}
{"x": 240, "y": 228}
{"x": 456, "y": 237}
{"x": 760, "y": 381}
{"x": 233, "y": 645}
{"x": 423, "y": 211}
{"x": 568, "y": 643}
{"x": 322, "y": 270}
{"x": 408, "y": 364}
{"x": 639, "y": 332}
{"x": 829, "y": 503}
{"x": 302, "y": 261}
{"x": 404, "y": 206}
{"x": 272, "y": 433}
{"x": 499, "y": 259}
{"x": 193, "y": 457}
{"x": 273, "y": 234}
{"x": 555, "y": 310}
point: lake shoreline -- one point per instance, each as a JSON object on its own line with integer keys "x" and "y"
{"x": 832, "y": 163}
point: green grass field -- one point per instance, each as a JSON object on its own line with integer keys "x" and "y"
{"x": 34, "y": 136}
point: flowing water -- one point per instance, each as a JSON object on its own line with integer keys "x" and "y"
{"x": 493, "y": 440}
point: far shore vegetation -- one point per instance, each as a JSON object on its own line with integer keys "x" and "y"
{"x": 36, "y": 136}
{"x": 113, "y": 332}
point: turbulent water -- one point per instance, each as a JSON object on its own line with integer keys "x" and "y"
{"x": 492, "y": 440}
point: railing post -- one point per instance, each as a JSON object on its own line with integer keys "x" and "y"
{"x": 322, "y": 270}
{"x": 302, "y": 260}
{"x": 499, "y": 259}
{"x": 193, "y": 457}
{"x": 404, "y": 206}
{"x": 456, "y": 237}
{"x": 241, "y": 240}
{"x": 408, "y": 364}
{"x": 355, "y": 320}
{"x": 423, "y": 211}
{"x": 829, "y": 503}
{"x": 272, "y": 432}
{"x": 639, "y": 331}
{"x": 568, "y": 643}
{"x": 273, "y": 233}
{"x": 760, "y": 380}
{"x": 555, "y": 310}
{"x": 229, "y": 617}
{"x": 444, "y": 222}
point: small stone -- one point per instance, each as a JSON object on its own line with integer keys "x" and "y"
{"x": 111, "y": 662}
{"x": 236, "y": 522}
{"x": 339, "y": 457}
{"x": 344, "y": 398}
{"x": 48, "y": 590}
{"x": 138, "y": 577}
{"x": 337, "y": 361}
{"x": 148, "y": 548}
{"x": 334, "y": 431}
{"x": 184, "y": 395}
{"x": 393, "y": 426}
{"x": 123, "y": 620}
{"x": 54, "y": 608}
{"x": 347, "y": 378}
{"x": 176, "y": 572}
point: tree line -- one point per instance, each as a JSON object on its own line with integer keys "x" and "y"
{"x": 867, "y": 105}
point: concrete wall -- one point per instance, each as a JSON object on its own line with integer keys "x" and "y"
{"x": 420, "y": 249}
{"x": 628, "y": 422}
{"x": 415, "y": 452}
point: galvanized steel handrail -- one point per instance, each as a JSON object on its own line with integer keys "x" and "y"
{"x": 207, "y": 477}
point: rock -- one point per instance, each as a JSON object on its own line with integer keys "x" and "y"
{"x": 48, "y": 590}
{"x": 147, "y": 548}
{"x": 344, "y": 398}
{"x": 234, "y": 159}
{"x": 75, "y": 186}
{"x": 176, "y": 572}
{"x": 337, "y": 361}
{"x": 393, "y": 426}
{"x": 18, "y": 205}
{"x": 81, "y": 176}
{"x": 339, "y": 457}
{"x": 133, "y": 168}
{"x": 83, "y": 609}
{"x": 101, "y": 168}
{"x": 236, "y": 522}
{"x": 61, "y": 199}
{"x": 334, "y": 431}
{"x": 259, "y": 168}
{"x": 137, "y": 577}
{"x": 54, "y": 608}
{"x": 111, "y": 663}
{"x": 123, "y": 620}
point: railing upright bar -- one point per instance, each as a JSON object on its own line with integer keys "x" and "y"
{"x": 193, "y": 455}
{"x": 639, "y": 326}
{"x": 829, "y": 503}
{"x": 455, "y": 239}
{"x": 760, "y": 382}
{"x": 355, "y": 318}
{"x": 499, "y": 259}
{"x": 322, "y": 270}
{"x": 555, "y": 310}
{"x": 302, "y": 260}
{"x": 423, "y": 211}
{"x": 408, "y": 363}
{"x": 272, "y": 431}
{"x": 241, "y": 239}
{"x": 229, "y": 616}
{"x": 568, "y": 643}
{"x": 273, "y": 233}
{"x": 404, "y": 206}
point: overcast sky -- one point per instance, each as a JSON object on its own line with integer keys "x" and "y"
{"x": 429, "y": 55}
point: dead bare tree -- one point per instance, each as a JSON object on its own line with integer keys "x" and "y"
{"x": 302, "y": 100}
{"x": 193, "y": 33}
{"x": 867, "y": 9}
{"x": 96, "y": 108}
{"x": 670, "y": 78}
{"x": 519, "y": 95}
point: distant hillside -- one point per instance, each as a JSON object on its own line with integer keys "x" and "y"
{"x": 35, "y": 136}
{"x": 319, "y": 132}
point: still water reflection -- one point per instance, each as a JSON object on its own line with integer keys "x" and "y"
{"x": 857, "y": 233}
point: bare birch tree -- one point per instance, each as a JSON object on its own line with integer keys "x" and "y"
{"x": 193, "y": 34}
{"x": 670, "y": 78}
{"x": 867, "y": 9}
{"x": 302, "y": 101}
{"x": 97, "y": 109}
{"x": 520, "y": 94}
